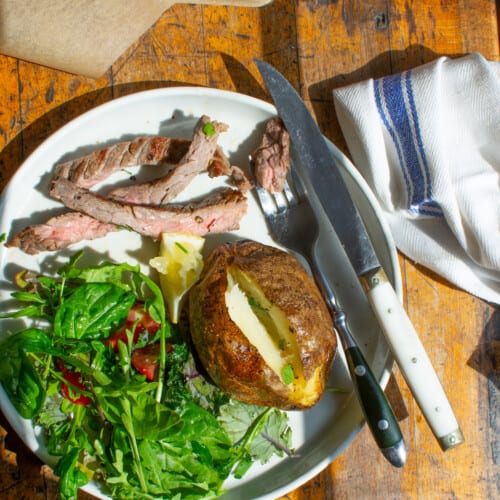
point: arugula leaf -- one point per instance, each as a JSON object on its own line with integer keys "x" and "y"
{"x": 70, "y": 477}
{"x": 192, "y": 462}
{"x": 186, "y": 451}
{"x": 203, "y": 428}
{"x": 275, "y": 438}
{"x": 141, "y": 415}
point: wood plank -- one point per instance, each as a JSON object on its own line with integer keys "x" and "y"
{"x": 234, "y": 37}
{"x": 450, "y": 328}
{"x": 339, "y": 44}
{"x": 10, "y": 120}
{"x": 170, "y": 53}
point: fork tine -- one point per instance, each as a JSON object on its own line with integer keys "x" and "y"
{"x": 298, "y": 185}
{"x": 289, "y": 194}
{"x": 273, "y": 203}
{"x": 267, "y": 200}
{"x": 281, "y": 201}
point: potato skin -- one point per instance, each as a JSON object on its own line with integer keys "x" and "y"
{"x": 232, "y": 362}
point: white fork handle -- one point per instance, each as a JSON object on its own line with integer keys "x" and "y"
{"x": 413, "y": 360}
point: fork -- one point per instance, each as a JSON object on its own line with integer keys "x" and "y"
{"x": 294, "y": 225}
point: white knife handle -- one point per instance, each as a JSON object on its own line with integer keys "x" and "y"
{"x": 412, "y": 359}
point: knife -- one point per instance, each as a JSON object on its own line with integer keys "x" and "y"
{"x": 318, "y": 165}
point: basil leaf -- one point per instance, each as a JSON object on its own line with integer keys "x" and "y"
{"x": 29, "y": 311}
{"x": 18, "y": 376}
{"x": 93, "y": 310}
{"x": 28, "y": 297}
{"x": 25, "y": 388}
{"x": 29, "y": 340}
{"x": 104, "y": 273}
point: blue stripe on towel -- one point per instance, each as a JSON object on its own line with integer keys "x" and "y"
{"x": 396, "y": 105}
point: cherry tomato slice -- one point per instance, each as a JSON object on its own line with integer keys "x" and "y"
{"x": 136, "y": 316}
{"x": 75, "y": 380}
{"x": 145, "y": 360}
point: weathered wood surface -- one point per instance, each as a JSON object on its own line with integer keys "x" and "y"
{"x": 318, "y": 45}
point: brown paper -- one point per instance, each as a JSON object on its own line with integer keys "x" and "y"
{"x": 79, "y": 36}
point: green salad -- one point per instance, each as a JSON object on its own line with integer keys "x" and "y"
{"x": 118, "y": 394}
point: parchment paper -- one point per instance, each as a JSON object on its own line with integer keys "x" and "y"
{"x": 79, "y": 36}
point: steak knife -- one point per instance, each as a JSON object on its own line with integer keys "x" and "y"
{"x": 319, "y": 167}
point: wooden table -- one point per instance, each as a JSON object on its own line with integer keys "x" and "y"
{"x": 318, "y": 45}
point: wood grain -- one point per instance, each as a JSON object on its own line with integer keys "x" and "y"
{"x": 319, "y": 45}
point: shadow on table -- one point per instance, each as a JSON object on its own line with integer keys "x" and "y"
{"x": 486, "y": 358}
{"x": 386, "y": 63}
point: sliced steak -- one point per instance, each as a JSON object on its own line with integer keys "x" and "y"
{"x": 96, "y": 215}
{"x": 216, "y": 213}
{"x": 163, "y": 190}
{"x": 271, "y": 160}
{"x": 60, "y": 232}
{"x": 93, "y": 168}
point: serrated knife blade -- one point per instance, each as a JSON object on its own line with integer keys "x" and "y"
{"x": 318, "y": 166}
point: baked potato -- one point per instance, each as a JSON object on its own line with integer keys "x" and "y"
{"x": 260, "y": 326}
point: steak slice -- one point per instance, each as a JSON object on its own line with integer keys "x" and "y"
{"x": 59, "y": 232}
{"x": 93, "y": 168}
{"x": 160, "y": 191}
{"x": 216, "y": 213}
{"x": 271, "y": 160}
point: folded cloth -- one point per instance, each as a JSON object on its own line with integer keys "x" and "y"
{"x": 427, "y": 141}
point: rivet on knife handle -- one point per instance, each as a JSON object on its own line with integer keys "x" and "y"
{"x": 412, "y": 359}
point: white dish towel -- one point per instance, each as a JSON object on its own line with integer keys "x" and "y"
{"x": 427, "y": 141}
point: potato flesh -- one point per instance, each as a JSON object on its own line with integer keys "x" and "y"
{"x": 264, "y": 325}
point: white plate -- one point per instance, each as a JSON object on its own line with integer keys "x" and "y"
{"x": 320, "y": 434}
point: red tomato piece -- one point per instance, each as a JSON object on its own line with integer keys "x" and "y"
{"x": 121, "y": 334}
{"x": 75, "y": 380}
{"x": 145, "y": 360}
{"x": 136, "y": 316}
{"x": 149, "y": 323}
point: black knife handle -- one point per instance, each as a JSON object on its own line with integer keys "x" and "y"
{"x": 377, "y": 410}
